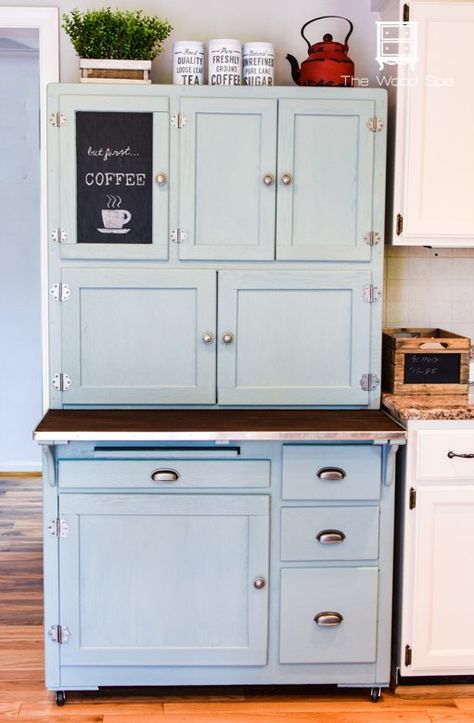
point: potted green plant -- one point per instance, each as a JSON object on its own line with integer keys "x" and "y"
{"x": 116, "y": 45}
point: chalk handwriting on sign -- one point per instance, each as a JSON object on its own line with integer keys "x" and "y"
{"x": 114, "y": 177}
{"x": 432, "y": 369}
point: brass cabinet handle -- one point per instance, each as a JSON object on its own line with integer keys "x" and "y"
{"x": 165, "y": 475}
{"x": 286, "y": 179}
{"x": 268, "y": 179}
{"x": 330, "y": 537}
{"x": 161, "y": 179}
{"x": 208, "y": 337}
{"x": 331, "y": 474}
{"x": 227, "y": 338}
{"x": 328, "y": 619}
{"x": 469, "y": 455}
{"x": 259, "y": 583}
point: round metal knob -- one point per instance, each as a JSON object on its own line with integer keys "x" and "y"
{"x": 228, "y": 338}
{"x": 268, "y": 179}
{"x": 208, "y": 337}
{"x": 259, "y": 583}
{"x": 286, "y": 179}
{"x": 161, "y": 178}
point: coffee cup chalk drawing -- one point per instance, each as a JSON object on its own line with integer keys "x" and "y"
{"x": 114, "y": 218}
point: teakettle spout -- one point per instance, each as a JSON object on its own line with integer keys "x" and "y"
{"x": 295, "y": 68}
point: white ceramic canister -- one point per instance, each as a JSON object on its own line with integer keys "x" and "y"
{"x": 188, "y": 62}
{"x": 224, "y": 62}
{"x": 258, "y": 64}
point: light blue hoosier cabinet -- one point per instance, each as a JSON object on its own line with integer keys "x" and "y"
{"x": 218, "y": 487}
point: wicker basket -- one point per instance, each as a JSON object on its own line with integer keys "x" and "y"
{"x": 115, "y": 71}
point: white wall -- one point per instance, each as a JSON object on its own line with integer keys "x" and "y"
{"x": 277, "y": 22}
{"x": 430, "y": 288}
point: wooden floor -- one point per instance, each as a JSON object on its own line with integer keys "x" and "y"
{"x": 23, "y": 697}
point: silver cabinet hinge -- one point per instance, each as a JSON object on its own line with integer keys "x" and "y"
{"x": 372, "y": 238}
{"x": 412, "y": 498}
{"x": 58, "y": 528}
{"x": 375, "y": 124}
{"x": 178, "y": 235}
{"x": 60, "y": 292}
{"x": 369, "y": 382}
{"x": 371, "y": 293}
{"x": 59, "y": 634}
{"x": 406, "y": 13}
{"x": 61, "y": 382}
{"x": 178, "y": 120}
{"x": 57, "y": 119}
{"x": 58, "y": 235}
{"x": 408, "y": 655}
{"x": 399, "y": 224}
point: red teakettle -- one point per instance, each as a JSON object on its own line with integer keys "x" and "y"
{"x": 327, "y": 62}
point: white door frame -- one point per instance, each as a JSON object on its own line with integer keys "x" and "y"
{"x": 46, "y": 21}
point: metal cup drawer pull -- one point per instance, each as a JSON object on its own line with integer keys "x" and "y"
{"x": 469, "y": 455}
{"x": 331, "y": 474}
{"x": 165, "y": 475}
{"x": 328, "y": 619}
{"x": 330, "y": 537}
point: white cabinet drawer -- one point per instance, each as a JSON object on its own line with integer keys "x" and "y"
{"x": 329, "y": 533}
{"x": 167, "y": 473}
{"x": 436, "y": 454}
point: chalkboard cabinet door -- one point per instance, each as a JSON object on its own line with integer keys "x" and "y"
{"x": 293, "y": 337}
{"x": 164, "y": 579}
{"x": 138, "y": 336}
{"x": 325, "y": 179}
{"x": 227, "y": 178}
{"x": 112, "y": 194}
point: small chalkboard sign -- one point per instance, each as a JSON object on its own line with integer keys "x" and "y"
{"x": 114, "y": 177}
{"x": 432, "y": 368}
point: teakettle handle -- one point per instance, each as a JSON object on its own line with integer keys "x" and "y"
{"x": 324, "y": 17}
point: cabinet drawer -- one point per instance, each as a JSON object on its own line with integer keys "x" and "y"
{"x": 436, "y": 454}
{"x": 327, "y": 472}
{"x": 163, "y": 473}
{"x": 349, "y": 594}
{"x": 329, "y": 533}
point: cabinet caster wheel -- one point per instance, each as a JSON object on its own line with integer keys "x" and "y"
{"x": 375, "y": 694}
{"x": 60, "y": 697}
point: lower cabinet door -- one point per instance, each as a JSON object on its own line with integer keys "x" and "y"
{"x": 137, "y": 337}
{"x": 439, "y": 598}
{"x": 293, "y": 337}
{"x": 328, "y": 615}
{"x": 164, "y": 579}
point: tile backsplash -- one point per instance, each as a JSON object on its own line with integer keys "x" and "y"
{"x": 430, "y": 288}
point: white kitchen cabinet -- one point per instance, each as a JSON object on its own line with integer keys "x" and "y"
{"x": 433, "y": 153}
{"x": 436, "y": 579}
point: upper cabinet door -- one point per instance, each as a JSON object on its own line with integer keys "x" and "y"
{"x": 434, "y": 151}
{"x": 325, "y": 179}
{"x": 109, "y": 178}
{"x": 293, "y": 337}
{"x": 135, "y": 336}
{"x": 227, "y": 171}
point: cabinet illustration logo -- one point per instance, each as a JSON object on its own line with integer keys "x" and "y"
{"x": 397, "y": 43}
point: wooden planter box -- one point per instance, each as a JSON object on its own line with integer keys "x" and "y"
{"x": 115, "y": 71}
{"x": 425, "y": 361}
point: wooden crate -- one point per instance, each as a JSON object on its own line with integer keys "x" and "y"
{"x": 425, "y": 361}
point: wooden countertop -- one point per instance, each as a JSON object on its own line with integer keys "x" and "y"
{"x": 216, "y": 424}
{"x": 427, "y": 406}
